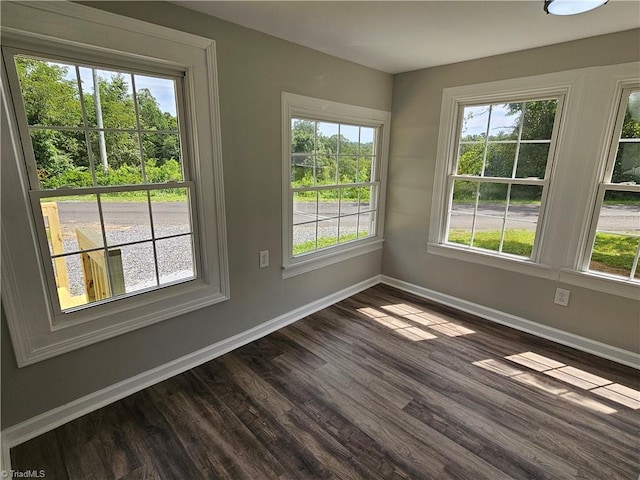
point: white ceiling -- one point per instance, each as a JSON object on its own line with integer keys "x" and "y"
{"x": 399, "y": 36}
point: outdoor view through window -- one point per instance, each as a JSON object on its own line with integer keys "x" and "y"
{"x": 111, "y": 182}
{"x": 333, "y": 192}
{"x": 616, "y": 242}
{"x": 499, "y": 180}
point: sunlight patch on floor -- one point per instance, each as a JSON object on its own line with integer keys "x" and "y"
{"x": 434, "y": 321}
{"x": 566, "y": 374}
{"x": 407, "y": 330}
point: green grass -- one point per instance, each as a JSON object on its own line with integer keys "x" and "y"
{"x": 324, "y": 242}
{"x": 136, "y": 196}
{"x": 615, "y": 252}
{"x": 516, "y": 242}
{"x": 611, "y": 253}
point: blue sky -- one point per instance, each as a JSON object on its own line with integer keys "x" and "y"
{"x": 161, "y": 88}
{"x": 475, "y": 120}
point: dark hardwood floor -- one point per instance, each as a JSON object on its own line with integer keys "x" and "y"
{"x": 383, "y": 385}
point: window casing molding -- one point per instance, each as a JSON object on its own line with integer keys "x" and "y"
{"x": 584, "y": 138}
{"x": 37, "y": 331}
{"x": 298, "y": 106}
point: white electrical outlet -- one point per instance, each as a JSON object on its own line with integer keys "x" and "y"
{"x": 264, "y": 258}
{"x": 562, "y": 297}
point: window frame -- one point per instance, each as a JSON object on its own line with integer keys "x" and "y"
{"x": 302, "y": 107}
{"x": 604, "y": 184}
{"x": 510, "y": 181}
{"x": 453, "y": 102}
{"x": 38, "y": 194}
{"x": 38, "y": 329}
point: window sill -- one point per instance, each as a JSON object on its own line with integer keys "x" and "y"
{"x": 330, "y": 257}
{"x": 513, "y": 264}
{"x": 601, "y": 283}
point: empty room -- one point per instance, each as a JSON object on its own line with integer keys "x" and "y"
{"x": 320, "y": 239}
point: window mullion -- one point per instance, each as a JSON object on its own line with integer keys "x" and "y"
{"x": 139, "y": 131}
{"x": 104, "y": 240}
{"x": 85, "y": 122}
{"x": 634, "y": 267}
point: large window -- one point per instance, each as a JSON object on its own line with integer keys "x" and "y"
{"x": 109, "y": 178}
{"x": 334, "y": 161}
{"x": 615, "y": 235}
{"x": 112, "y": 191}
{"x": 499, "y": 176}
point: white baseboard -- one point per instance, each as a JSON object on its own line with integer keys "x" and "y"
{"x": 594, "y": 347}
{"x": 47, "y": 421}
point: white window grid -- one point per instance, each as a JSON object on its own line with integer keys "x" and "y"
{"x": 37, "y": 195}
{"x": 509, "y": 181}
{"x": 371, "y": 184}
{"x": 606, "y": 185}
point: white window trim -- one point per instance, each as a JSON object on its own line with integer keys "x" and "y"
{"x": 294, "y": 105}
{"x": 564, "y": 234}
{"x": 610, "y": 150}
{"x": 36, "y": 332}
{"x": 504, "y": 91}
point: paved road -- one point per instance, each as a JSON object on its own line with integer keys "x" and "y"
{"x": 172, "y": 215}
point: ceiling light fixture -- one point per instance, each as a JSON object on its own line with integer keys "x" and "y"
{"x": 571, "y": 7}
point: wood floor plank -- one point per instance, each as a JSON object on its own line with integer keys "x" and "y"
{"x": 382, "y": 385}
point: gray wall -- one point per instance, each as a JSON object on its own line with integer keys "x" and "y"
{"x": 253, "y": 69}
{"x": 417, "y": 98}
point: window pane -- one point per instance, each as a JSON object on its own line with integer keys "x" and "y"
{"x": 170, "y": 211}
{"x": 327, "y": 233}
{"x": 365, "y": 227}
{"x": 70, "y": 281}
{"x": 347, "y": 169}
{"x": 327, "y": 140}
{"x": 464, "y": 196}
{"x": 328, "y": 203}
{"x": 500, "y": 159}
{"x": 348, "y": 228}
{"x": 618, "y": 233}
{"x": 524, "y": 202}
{"x": 367, "y": 141}
{"x": 532, "y": 160}
{"x": 305, "y": 207}
{"x": 68, "y": 219}
{"x": 538, "y": 119}
{"x": 138, "y": 266}
{"x": 474, "y": 123}
{"x": 492, "y": 205}
{"x": 304, "y": 238}
{"x": 162, "y": 158}
{"x": 50, "y": 92}
{"x": 302, "y": 136}
{"x": 613, "y": 254}
{"x": 126, "y": 217}
{"x": 349, "y": 139}
{"x": 115, "y": 108}
{"x": 61, "y": 158}
{"x": 348, "y": 201}
{"x": 366, "y": 199}
{"x": 519, "y": 238}
{"x": 121, "y": 165}
{"x": 505, "y": 121}
{"x": 364, "y": 169}
{"x": 156, "y": 103}
{"x": 631, "y": 126}
{"x": 470, "y": 158}
{"x": 175, "y": 259}
{"x": 460, "y": 226}
{"x": 627, "y": 166}
{"x": 302, "y": 170}
{"x": 326, "y": 169}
